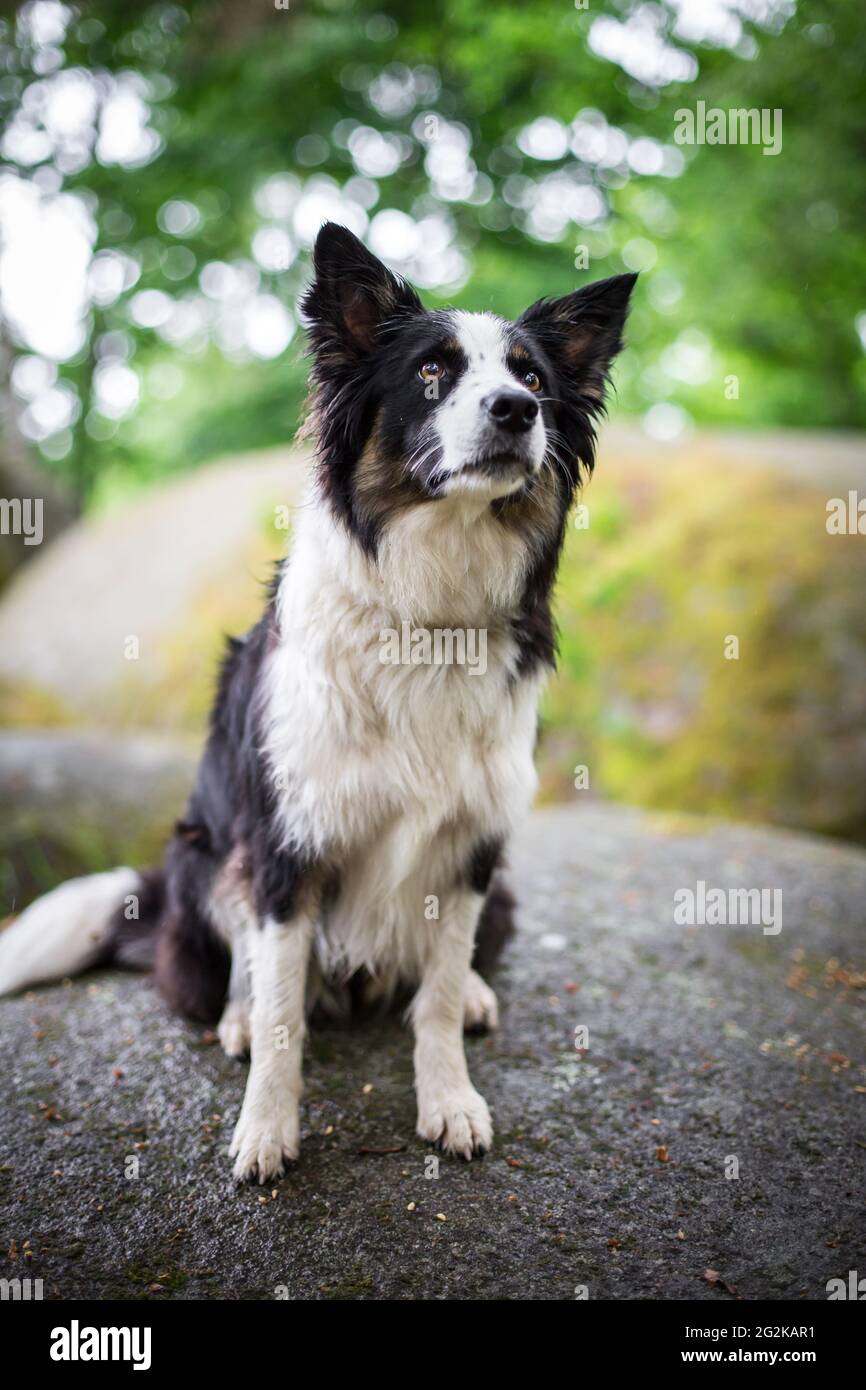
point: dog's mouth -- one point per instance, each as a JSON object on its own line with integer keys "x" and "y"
{"x": 499, "y": 462}
{"x": 496, "y": 472}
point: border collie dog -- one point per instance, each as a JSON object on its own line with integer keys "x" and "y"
{"x": 345, "y": 835}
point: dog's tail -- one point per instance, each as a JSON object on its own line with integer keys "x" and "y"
{"x": 86, "y": 922}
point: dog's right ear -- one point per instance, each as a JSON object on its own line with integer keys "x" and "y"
{"x": 353, "y": 295}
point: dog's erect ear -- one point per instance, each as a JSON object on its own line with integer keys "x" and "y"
{"x": 353, "y": 294}
{"x": 582, "y": 332}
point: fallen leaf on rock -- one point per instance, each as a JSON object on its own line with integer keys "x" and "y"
{"x": 714, "y": 1279}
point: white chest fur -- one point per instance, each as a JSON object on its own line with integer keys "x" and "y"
{"x": 396, "y": 770}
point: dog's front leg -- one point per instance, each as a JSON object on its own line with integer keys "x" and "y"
{"x": 267, "y": 1132}
{"x": 451, "y": 1113}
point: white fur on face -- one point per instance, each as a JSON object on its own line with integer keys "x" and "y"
{"x": 462, "y": 424}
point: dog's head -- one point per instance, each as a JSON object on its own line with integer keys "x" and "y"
{"x": 415, "y": 406}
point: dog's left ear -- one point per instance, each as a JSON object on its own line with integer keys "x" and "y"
{"x": 353, "y": 294}
{"x": 582, "y": 332}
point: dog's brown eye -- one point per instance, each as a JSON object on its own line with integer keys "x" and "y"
{"x": 532, "y": 381}
{"x": 431, "y": 371}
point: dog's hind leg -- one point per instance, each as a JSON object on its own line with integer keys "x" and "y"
{"x": 232, "y": 911}
{"x": 234, "y": 1026}
{"x": 480, "y": 1007}
{"x": 495, "y": 925}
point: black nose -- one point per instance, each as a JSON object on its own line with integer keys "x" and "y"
{"x": 513, "y": 410}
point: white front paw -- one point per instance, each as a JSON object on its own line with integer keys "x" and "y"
{"x": 456, "y": 1121}
{"x": 263, "y": 1143}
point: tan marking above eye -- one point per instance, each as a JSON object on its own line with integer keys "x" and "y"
{"x": 431, "y": 371}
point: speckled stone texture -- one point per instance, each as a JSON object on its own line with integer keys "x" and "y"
{"x": 706, "y": 1044}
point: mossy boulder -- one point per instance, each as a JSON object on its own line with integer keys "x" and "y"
{"x": 120, "y": 623}
{"x": 686, "y": 548}
{"x": 713, "y": 646}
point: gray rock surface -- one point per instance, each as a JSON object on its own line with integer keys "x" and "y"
{"x": 706, "y": 1044}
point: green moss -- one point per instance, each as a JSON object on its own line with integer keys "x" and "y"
{"x": 355, "y": 1285}
{"x": 171, "y": 1279}
{"x": 27, "y": 706}
{"x": 34, "y": 857}
{"x": 646, "y": 696}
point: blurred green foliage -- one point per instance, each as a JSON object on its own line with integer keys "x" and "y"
{"x": 754, "y": 263}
